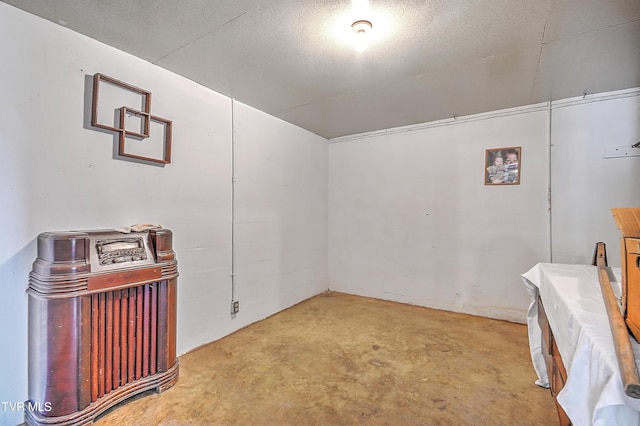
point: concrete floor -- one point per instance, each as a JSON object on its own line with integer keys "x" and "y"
{"x": 338, "y": 359}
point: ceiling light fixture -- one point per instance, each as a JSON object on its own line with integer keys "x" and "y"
{"x": 362, "y": 29}
{"x": 361, "y": 26}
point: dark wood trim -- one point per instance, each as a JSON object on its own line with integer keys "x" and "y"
{"x": 556, "y": 371}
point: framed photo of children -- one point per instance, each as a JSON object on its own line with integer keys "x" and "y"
{"x": 502, "y": 166}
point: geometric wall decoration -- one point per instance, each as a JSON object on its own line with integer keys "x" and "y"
{"x": 120, "y": 107}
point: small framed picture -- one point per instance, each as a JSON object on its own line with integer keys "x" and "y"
{"x": 502, "y": 166}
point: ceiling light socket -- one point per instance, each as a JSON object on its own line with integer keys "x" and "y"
{"x": 362, "y": 26}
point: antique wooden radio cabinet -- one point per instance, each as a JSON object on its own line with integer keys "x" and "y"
{"x": 628, "y": 221}
{"x": 102, "y": 322}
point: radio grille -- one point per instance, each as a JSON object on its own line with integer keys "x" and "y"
{"x": 124, "y": 330}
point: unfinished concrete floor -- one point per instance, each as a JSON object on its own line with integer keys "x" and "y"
{"x": 338, "y": 359}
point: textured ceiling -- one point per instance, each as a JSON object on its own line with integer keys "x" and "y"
{"x": 427, "y": 60}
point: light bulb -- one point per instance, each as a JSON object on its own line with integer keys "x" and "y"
{"x": 361, "y": 29}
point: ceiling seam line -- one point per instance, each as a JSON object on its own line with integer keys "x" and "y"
{"x": 200, "y": 37}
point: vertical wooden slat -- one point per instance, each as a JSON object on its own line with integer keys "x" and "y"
{"x": 101, "y": 339}
{"x": 146, "y": 331}
{"x": 84, "y": 330}
{"x": 94, "y": 346}
{"x": 154, "y": 328}
{"x": 108, "y": 352}
{"x": 172, "y": 297}
{"x": 131, "y": 336}
{"x": 139, "y": 299}
{"x": 123, "y": 336}
{"x": 116, "y": 339}
{"x": 163, "y": 365}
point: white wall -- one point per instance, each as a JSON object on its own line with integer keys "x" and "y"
{"x": 281, "y": 213}
{"x": 57, "y": 173}
{"x": 411, "y": 220}
{"x": 586, "y": 181}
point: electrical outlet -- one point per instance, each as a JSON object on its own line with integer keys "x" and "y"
{"x": 235, "y": 307}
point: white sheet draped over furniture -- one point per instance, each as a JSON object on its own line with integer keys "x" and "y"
{"x": 572, "y": 298}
